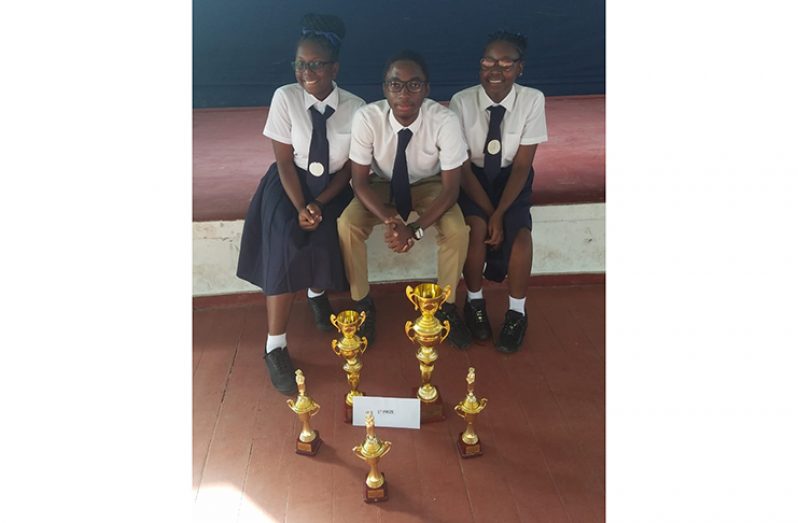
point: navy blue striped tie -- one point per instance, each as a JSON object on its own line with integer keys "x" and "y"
{"x": 400, "y": 180}
{"x": 319, "y": 153}
{"x": 493, "y": 161}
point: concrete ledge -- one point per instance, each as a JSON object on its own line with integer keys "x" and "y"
{"x": 568, "y": 239}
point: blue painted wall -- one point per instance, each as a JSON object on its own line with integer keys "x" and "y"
{"x": 242, "y": 48}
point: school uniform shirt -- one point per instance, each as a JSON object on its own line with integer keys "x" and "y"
{"x": 289, "y": 122}
{"x": 437, "y": 143}
{"x": 524, "y": 121}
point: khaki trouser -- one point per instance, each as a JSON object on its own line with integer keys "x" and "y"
{"x": 356, "y": 224}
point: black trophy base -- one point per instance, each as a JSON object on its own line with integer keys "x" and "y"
{"x": 432, "y": 411}
{"x": 375, "y": 495}
{"x": 466, "y": 450}
{"x": 308, "y": 449}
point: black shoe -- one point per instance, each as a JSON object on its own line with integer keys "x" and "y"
{"x": 512, "y": 333}
{"x": 369, "y": 327}
{"x": 476, "y": 319}
{"x": 322, "y": 311}
{"x": 281, "y": 371}
{"x": 458, "y": 335}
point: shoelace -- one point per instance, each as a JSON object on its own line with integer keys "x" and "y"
{"x": 513, "y": 325}
{"x": 282, "y": 362}
{"x": 479, "y": 314}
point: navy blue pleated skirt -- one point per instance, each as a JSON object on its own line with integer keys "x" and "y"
{"x": 516, "y": 218}
{"x": 277, "y": 255}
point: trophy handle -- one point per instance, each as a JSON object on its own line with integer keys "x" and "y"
{"x": 362, "y": 319}
{"x": 448, "y": 328}
{"x": 335, "y": 348}
{"x": 290, "y": 403}
{"x": 334, "y": 322}
{"x": 387, "y": 446}
{"x": 446, "y": 292}
{"x": 483, "y": 403}
{"x": 409, "y": 328}
{"x": 365, "y": 344}
{"x": 459, "y": 410}
{"x": 411, "y": 297}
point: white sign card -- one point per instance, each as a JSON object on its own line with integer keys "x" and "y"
{"x": 403, "y": 413}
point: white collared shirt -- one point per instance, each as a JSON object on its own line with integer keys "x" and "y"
{"x": 524, "y": 121}
{"x": 437, "y": 143}
{"x": 289, "y": 122}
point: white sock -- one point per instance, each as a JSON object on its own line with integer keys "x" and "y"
{"x": 312, "y": 294}
{"x": 474, "y": 295}
{"x": 275, "y": 342}
{"x": 517, "y": 304}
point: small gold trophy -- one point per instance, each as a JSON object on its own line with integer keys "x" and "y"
{"x": 350, "y": 347}
{"x": 308, "y": 442}
{"x": 428, "y": 332}
{"x": 468, "y": 409}
{"x": 370, "y": 451}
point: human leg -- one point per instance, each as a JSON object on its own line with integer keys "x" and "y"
{"x": 515, "y": 321}
{"x": 278, "y": 362}
{"x": 475, "y": 311}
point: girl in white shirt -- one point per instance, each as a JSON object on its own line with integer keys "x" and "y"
{"x": 503, "y": 122}
{"x": 290, "y": 239}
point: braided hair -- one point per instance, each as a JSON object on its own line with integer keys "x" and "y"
{"x": 517, "y": 40}
{"x": 326, "y": 30}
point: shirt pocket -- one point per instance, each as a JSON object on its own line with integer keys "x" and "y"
{"x": 427, "y": 161}
{"x": 339, "y": 146}
{"x": 510, "y": 143}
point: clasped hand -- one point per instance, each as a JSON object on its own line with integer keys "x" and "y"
{"x": 310, "y": 217}
{"x": 398, "y": 236}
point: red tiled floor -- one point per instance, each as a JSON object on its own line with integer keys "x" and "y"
{"x": 542, "y": 432}
{"x": 231, "y": 155}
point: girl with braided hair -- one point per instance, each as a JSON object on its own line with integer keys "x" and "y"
{"x": 290, "y": 240}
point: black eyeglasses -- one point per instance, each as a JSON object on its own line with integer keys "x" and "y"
{"x": 504, "y": 63}
{"x": 314, "y": 66}
{"x": 396, "y": 86}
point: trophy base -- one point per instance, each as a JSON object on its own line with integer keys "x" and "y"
{"x": 432, "y": 411}
{"x": 375, "y": 495}
{"x": 308, "y": 449}
{"x": 466, "y": 450}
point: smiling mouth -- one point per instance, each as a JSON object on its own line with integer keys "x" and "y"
{"x": 311, "y": 82}
{"x": 495, "y": 81}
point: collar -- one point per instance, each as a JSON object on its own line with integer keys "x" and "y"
{"x": 507, "y": 103}
{"x": 331, "y": 100}
{"x": 414, "y": 127}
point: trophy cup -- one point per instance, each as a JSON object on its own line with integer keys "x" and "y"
{"x": 370, "y": 451}
{"x": 308, "y": 442}
{"x": 427, "y": 332}
{"x": 350, "y": 347}
{"x": 468, "y": 409}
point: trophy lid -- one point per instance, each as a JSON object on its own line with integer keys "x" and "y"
{"x": 303, "y": 403}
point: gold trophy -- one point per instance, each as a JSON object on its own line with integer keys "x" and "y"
{"x": 350, "y": 347}
{"x": 428, "y": 332}
{"x": 308, "y": 442}
{"x": 370, "y": 451}
{"x": 468, "y": 409}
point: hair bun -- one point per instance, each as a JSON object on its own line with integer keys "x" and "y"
{"x": 329, "y": 27}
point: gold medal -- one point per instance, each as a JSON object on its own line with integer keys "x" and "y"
{"x": 494, "y": 146}
{"x": 316, "y": 169}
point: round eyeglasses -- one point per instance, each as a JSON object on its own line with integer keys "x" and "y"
{"x": 314, "y": 66}
{"x": 396, "y": 86}
{"x": 504, "y": 63}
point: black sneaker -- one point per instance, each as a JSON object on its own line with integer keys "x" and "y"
{"x": 281, "y": 371}
{"x": 476, "y": 319}
{"x": 458, "y": 335}
{"x": 369, "y": 327}
{"x": 322, "y": 311}
{"x": 512, "y": 333}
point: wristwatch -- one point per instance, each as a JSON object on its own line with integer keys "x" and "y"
{"x": 418, "y": 232}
